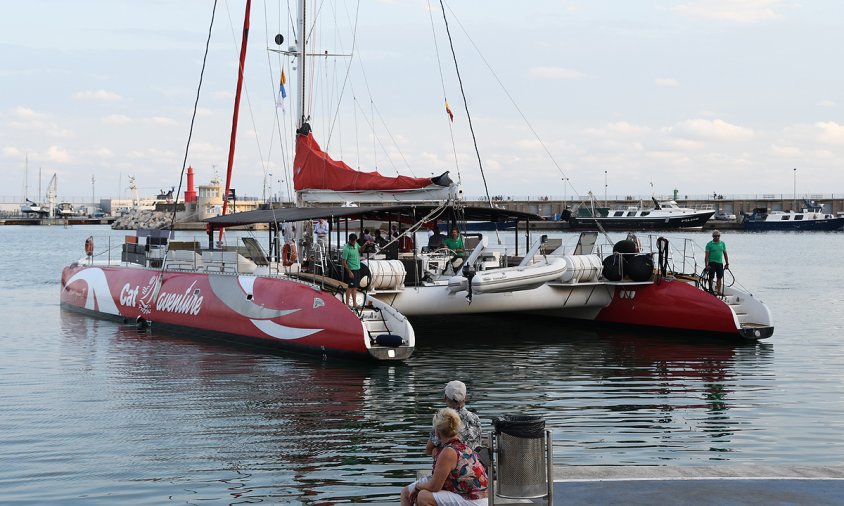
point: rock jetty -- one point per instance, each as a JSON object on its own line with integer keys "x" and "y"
{"x": 136, "y": 219}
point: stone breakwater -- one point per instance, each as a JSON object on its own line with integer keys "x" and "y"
{"x": 136, "y": 219}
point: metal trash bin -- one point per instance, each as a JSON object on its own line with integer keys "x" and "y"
{"x": 523, "y": 459}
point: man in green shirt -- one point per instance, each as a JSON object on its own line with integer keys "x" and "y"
{"x": 351, "y": 268}
{"x": 455, "y": 244}
{"x": 716, "y": 260}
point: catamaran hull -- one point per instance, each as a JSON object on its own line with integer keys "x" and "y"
{"x": 678, "y": 305}
{"x": 273, "y": 313}
{"x": 668, "y": 304}
{"x": 440, "y": 300}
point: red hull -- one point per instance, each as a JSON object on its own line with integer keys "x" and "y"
{"x": 671, "y": 304}
{"x": 270, "y": 312}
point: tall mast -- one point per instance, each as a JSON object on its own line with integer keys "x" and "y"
{"x": 236, "y": 107}
{"x": 302, "y": 52}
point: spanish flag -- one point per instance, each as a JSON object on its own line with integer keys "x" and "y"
{"x": 282, "y": 94}
{"x": 448, "y": 110}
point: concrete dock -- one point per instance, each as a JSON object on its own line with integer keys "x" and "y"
{"x": 712, "y": 485}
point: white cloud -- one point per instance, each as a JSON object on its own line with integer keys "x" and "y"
{"x": 26, "y": 113}
{"x": 666, "y": 82}
{"x": 713, "y": 129}
{"x": 529, "y": 144}
{"x": 161, "y": 121}
{"x": 686, "y": 145}
{"x": 830, "y": 131}
{"x": 223, "y": 95}
{"x": 11, "y": 152}
{"x": 733, "y": 11}
{"x": 98, "y": 96}
{"x": 555, "y": 73}
{"x": 788, "y": 151}
{"x": 117, "y": 119}
{"x": 102, "y": 152}
{"x": 828, "y": 104}
{"x": 622, "y": 128}
{"x": 28, "y": 119}
{"x": 57, "y": 154}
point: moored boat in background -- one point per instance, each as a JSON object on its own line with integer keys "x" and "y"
{"x": 811, "y": 217}
{"x": 665, "y": 215}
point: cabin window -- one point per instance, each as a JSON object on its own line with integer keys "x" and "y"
{"x": 785, "y": 218}
{"x": 631, "y": 213}
{"x": 645, "y": 213}
{"x": 618, "y": 213}
{"x": 798, "y": 217}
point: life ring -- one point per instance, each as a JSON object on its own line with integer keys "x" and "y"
{"x": 288, "y": 255}
{"x": 89, "y": 246}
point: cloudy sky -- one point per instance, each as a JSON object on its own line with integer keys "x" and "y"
{"x": 702, "y": 96}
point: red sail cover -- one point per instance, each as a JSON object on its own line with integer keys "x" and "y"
{"x": 313, "y": 169}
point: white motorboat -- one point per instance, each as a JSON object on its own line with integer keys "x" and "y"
{"x": 811, "y": 217}
{"x": 663, "y": 215}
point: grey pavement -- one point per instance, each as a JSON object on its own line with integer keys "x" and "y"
{"x": 714, "y": 485}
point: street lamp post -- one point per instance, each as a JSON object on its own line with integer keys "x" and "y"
{"x": 794, "y": 204}
{"x": 605, "y": 189}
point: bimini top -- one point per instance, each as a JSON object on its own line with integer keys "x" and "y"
{"x": 383, "y": 213}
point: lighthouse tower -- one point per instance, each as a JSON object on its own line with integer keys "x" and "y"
{"x": 190, "y": 194}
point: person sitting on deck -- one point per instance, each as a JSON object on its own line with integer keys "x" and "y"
{"x": 435, "y": 242}
{"x": 470, "y": 428}
{"x": 378, "y": 239}
{"x": 405, "y": 242}
{"x": 458, "y": 476}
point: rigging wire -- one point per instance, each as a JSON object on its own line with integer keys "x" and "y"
{"x": 513, "y": 102}
{"x": 190, "y": 136}
{"x": 509, "y": 96}
{"x": 445, "y": 98}
{"x": 466, "y": 104}
{"x": 348, "y": 72}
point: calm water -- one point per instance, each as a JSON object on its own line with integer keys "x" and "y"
{"x": 93, "y": 412}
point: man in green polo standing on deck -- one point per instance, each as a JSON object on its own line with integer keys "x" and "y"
{"x": 716, "y": 260}
{"x": 351, "y": 268}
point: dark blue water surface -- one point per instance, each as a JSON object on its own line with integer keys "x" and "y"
{"x": 93, "y": 412}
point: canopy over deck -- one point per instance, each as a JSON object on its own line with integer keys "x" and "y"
{"x": 384, "y": 213}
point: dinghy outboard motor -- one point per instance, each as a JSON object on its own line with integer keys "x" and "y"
{"x": 468, "y": 273}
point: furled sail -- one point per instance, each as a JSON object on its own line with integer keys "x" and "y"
{"x": 313, "y": 169}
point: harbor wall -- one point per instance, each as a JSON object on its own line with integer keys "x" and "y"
{"x": 549, "y": 207}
